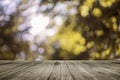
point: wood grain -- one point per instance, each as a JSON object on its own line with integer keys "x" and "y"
{"x": 60, "y": 70}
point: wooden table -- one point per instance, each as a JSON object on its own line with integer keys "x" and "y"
{"x": 60, "y": 70}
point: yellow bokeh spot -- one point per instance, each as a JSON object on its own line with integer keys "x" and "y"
{"x": 105, "y": 53}
{"x": 115, "y": 27}
{"x": 103, "y": 56}
{"x": 99, "y": 33}
{"x": 84, "y": 11}
{"x": 90, "y": 44}
{"x": 113, "y": 19}
{"x": 106, "y": 3}
{"x": 118, "y": 52}
{"x": 107, "y": 24}
{"x": 89, "y": 3}
{"x": 69, "y": 38}
{"x": 95, "y": 55}
{"x": 78, "y": 49}
{"x": 82, "y": 41}
{"x": 96, "y": 12}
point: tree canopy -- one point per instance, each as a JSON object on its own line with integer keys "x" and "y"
{"x": 83, "y": 29}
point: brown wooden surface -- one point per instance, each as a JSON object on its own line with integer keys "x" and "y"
{"x": 60, "y": 70}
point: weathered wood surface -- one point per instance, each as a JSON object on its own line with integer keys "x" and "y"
{"x": 60, "y": 70}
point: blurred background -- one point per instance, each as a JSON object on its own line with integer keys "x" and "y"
{"x": 59, "y": 29}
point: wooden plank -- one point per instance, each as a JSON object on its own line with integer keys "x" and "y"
{"x": 83, "y": 72}
{"x": 12, "y": 72}
{"x": 65, "y": 72}
{"x": 74, "y": 71}
{"x": 38, "y": 72}
{"x": 60, "y": 70}
{"x": 47, "y": 71}
{"x": 56, "y": 73}
{"x": 98, "y": 72}
{"x": 27, "y": 74}
{"x": 7, "y": 66}
{"x": 108, "y": 67}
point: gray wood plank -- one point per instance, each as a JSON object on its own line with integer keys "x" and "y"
{"x": 38, "y": 72}
{"x": 98, "y": 72}
{"x": 83, "y": 72}
{"x": 65, "y": 73}
{"x": 74, "y": 72}
{"x": 12, "y": 72}
{"x": 48, "y": 69}
{"x": 56, "y": 73}
{"x": 60, "y": 70}
{"x": 8, "y": 66}
{"x": 107, "y": 66}
{"x": 27, "y": 74}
